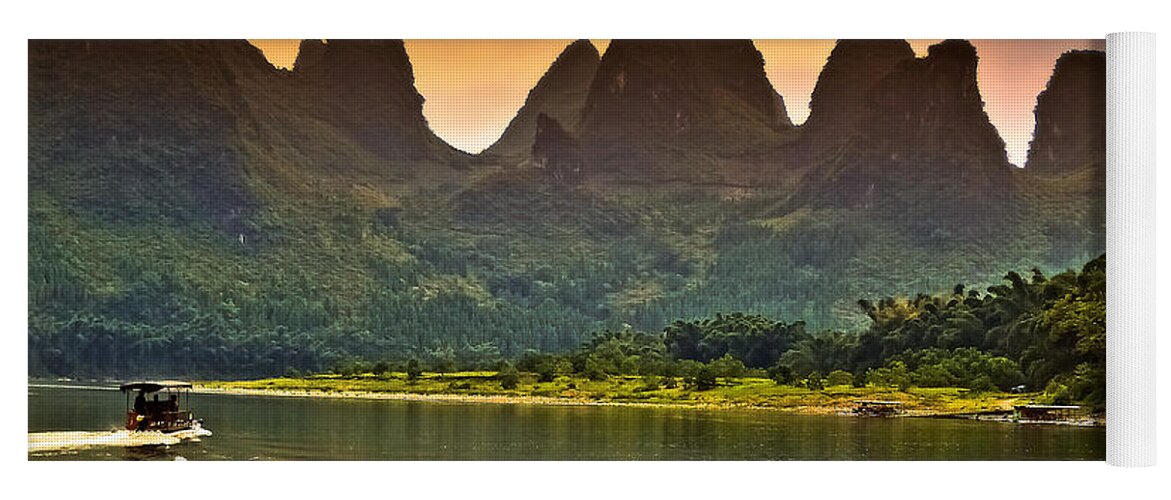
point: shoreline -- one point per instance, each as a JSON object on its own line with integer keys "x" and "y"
{"x": 500, "y": 399}
{"x": 805, "y": 410}
{"x": 512, "y": 399}
{"x": 840, "y": 406}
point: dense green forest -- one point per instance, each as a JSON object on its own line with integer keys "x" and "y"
{"x": 1040, "y": 333}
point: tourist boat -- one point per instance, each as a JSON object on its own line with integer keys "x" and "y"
{"x": 148, "y": 412}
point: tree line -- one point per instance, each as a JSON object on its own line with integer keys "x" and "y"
{"x": 1037, "y": 334}
{"x": 1040, "y": 332}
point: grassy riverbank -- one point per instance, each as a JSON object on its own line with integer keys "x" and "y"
{"x": 729, "y": 393}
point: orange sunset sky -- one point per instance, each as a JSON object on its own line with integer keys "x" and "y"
{"x": 474, "y": 87}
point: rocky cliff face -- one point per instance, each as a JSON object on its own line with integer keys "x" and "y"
{"x": 556, "y": 151}
{"x": 1066, "y": 167}
{"x": 654, "y": 100}
{"x": 559, "y": 95}
{"x": 366, "y": 88}
{"x": 921, "y": 150}
{"x": 135, "y": 130}
{"x": 841, "y": 98}
{"x": 1070, "y": 116}
{"x": 929, "y": 111}
{"x": 924, "y": 132}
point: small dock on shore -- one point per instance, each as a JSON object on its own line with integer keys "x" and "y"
{"x": 1034, "y": 414}
{"x": 1047, "y": 413}
{"x": 867, "y": 408}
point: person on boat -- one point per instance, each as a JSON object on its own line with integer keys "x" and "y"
{"x": 140, "y": 411}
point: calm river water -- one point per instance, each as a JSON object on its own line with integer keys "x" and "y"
{"x": 284, "y": 428}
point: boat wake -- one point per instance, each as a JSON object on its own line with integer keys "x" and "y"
{"x": 64, "y": 441}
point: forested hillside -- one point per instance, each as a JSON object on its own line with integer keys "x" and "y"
{"x": 194, "y": 211}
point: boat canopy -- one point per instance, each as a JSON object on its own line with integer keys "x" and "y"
{"x": 154, "y": 386}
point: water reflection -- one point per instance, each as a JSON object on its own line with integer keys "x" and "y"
{"x": 260, "y": 428}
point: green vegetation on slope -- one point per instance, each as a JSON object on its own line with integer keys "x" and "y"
{"x": 728, "y": 391}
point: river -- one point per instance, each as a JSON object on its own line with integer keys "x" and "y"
{"x": 288, "y": 428}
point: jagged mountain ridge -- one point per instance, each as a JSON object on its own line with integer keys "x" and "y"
{"x": 559, "y": 95}
{"x": 367, "y": 89}
{"x": 923, "y": 142}
{"x": 1066, "y": 167}
{"x": 277, "y": 212}
{"x": 840, "y": 99}
{"x": 652, "y": 101}
{"x": 1070, "y": 130}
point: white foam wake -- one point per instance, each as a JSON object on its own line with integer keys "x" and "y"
{"x": 57, "y": 441}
